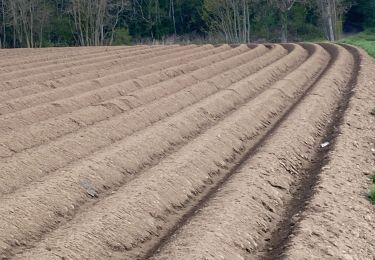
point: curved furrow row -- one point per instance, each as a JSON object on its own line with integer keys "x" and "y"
{"x": 77, "y": 145}
{"x": 25, "y": 63}
{"x": 255, "y": 196}
{"x": 72, "y": 67}
{"x": 184, "y": 152}
{"x": 104, "y": 89}
{"x": 336, "y": 218}
{"x": 98, "y": 90}
{"x": 11, "y": 53}
{"x": 66, "y": 62}
{"x": 188, "y": 97}
{"x": 150, "y": 204}
{"x": 13, "y": 105}
{"x": 85, "y": 77}
{"x": 51, "y": 56}
{"x": 47, "y": 76}
{"x": 48, "y": 130}
{"x": 35, "y": 83}
{"x": 50, "y": 77}
{"x": 182, "y": 125}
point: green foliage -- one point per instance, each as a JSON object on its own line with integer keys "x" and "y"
{"x": 54, "y": 23}
{"x": 304, "y": 24}
{"x": 59, "y": 32}
{"x": 156, "y": 19}
{"x": 367, "y": 10}
{"x": 265, "y": 24}
{"x": 372, "y": 188}
{"x": 373, "y": 111}
{"x": 372, "y": 194}
{"x": 122, "y": 37}
{"x": 365, "y": 40}
{"x": 373, "y": 177}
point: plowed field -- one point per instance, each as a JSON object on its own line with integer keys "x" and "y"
{"x": 184, "y": 152}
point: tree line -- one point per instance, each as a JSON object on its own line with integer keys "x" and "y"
{"x": 40, "y": 23}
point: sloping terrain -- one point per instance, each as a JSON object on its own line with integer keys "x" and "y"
{"x": 182, "y": 152}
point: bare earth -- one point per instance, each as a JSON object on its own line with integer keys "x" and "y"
{"x": 187, "y": 152}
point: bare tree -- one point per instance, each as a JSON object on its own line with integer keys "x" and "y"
{"x": 172, "y": 16}
{"x": 115, "y": 9}
{"x": 28, "y": 19}
{"x": 231, "y": 17}
{"x": 284, "y": 7}
{"x": 327, "y": 12}
{"x": 2, "y": 24}
{"x": 331, "y": 13}
{"x": 149, "y": 11}
{"x": 95, "y": 20}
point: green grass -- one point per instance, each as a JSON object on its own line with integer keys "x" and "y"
{"x": 365, "y": 40}
{"x": 372, "y": 194}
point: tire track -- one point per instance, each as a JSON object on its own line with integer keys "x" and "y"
{"x": 113, "y": 178}
{"x": 183, "y": 176}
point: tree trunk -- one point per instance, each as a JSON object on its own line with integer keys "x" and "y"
{"x": 284, "y": 27}
{"x": 330, "y": 22}
{"x": 172, "y": 15}
{"x": 4, "y": 31}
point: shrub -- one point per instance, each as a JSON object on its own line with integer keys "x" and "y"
{"x": 373, "y": 176}
{"x": 122, "y": 37}
{"x": 372, "y": 194}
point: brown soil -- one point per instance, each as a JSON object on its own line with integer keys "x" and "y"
{"x": 186, "y": 152}
{"x": 338, "y": 222}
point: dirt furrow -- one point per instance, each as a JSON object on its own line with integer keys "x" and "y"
{"x": 337, "y": 219}
{"x": 51, "y": 56}
{"x": 49, "y": 77}
{"x": 39, "y": 98}
{"x": 43, "y": 132}
{"x": 29, "y": 88}
{"x": 153, "y": 197}
{"x": 81, "y": 78}
{"x": 176, "y": 131}
{"x": 256, "y": 195}
{"x": 43, "y": 79}
{"x": 72, "y": 68}
{"x": 77, "y": 145}
{"x": 101, "y": 90}
{"x": 28, "y": 69}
